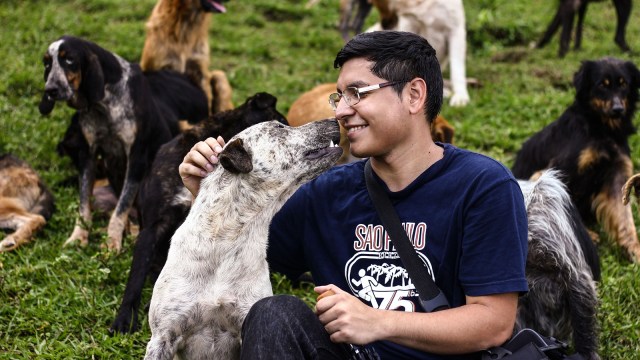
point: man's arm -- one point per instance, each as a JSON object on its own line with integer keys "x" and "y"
{"x": 484, "y": 321}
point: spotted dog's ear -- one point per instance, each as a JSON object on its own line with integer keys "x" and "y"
{"x": 93, "y": 79}
{"x": 235, "y": 158}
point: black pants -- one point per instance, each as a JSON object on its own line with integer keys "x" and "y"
{"x": 283, "y": 327}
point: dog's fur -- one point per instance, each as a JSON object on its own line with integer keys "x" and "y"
{"x": 178, "y": 39}
{"x": 589, "y": 144}
{"x": 216, "y": 268}
{"x": 121, "y": 122}
{"x": 26, "y": 204}
{"x": 562, "y": 267}
{"x": 164, "y": 201}
{"x": 567, "y": 10}
{"x": 314, "y": 105}
{"x": 442, "y": 23}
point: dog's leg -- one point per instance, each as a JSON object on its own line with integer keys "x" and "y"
{"x": 161, "y": 348}
{"x": 120, "y": 216}
{"x": 567, "y": 14}
{"x": 583, "y": 300}
{"x": 457, "y": 55}
{"x": 615, "y": 217}
{"x": 623, "y": 11}
{"x": 582, "y": 11}
{"x": 221, "y": 91}
{"x": 149, "y": 244}
{"x": 83, "y": 223}
{"x": 15, "y": 216}
{"x": 551, "y": 30}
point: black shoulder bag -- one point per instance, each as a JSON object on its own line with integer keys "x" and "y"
{"x": 525, "y": 345}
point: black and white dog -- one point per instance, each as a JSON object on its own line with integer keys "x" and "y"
{"x": 164, "y": 202}
{"x": 562, "y": 267}
{"x": 120, "y": 119}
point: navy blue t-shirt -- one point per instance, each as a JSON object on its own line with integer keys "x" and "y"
{"x": 465, "y": 216}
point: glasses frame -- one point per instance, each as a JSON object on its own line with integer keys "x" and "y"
{"x": 334, "y": 98}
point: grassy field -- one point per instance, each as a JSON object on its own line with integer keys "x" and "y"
{"x": 57, "y": 303}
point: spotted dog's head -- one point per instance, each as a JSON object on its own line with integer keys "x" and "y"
{"x": 278, "y": 156}
{"x": 610, "y": 88}
{"x": 75, "y": 71}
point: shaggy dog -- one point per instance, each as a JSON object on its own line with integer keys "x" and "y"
{"x": 164, "y": 201}
{"x": 121, "y": 122}
{"x": 314, "y": 104}
{"x": 216, "y": 268}
{"x": 442, "y": 23}
{"x": 25, "y": 202}
{"x": 562, "y": 267}
{"x": 178, "y": 39}
{"x": 565, "y": 14}
{"x": 589, "y": 144}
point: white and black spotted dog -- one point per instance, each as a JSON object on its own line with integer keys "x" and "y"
{"x": 216, "y": 268}
{"x": 562, "y": 267}
{"x": 124, "y": 117}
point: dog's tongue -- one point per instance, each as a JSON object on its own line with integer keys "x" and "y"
{"x": 218, "y": 6}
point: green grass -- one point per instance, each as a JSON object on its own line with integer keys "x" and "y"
{"x": 59, "y": 302}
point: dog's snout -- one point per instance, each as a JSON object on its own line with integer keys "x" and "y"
{"x": 52, "y": 92}
{"x": 617, "y": 106}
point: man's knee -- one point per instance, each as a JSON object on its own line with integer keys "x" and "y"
{"x": 276, "y": 309}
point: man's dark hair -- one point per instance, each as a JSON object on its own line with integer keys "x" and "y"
{"x": 398, "y": 56}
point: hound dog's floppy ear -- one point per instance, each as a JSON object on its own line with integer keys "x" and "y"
{"x": 581, "y": 79}
{"x": 93, "y": 79}
{"x": 235, "y": 158}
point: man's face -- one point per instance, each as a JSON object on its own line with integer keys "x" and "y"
{"x": 374, "y": 125}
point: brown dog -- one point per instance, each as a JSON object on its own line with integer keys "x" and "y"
{"x": 178, "y": 39}
{"x": 314, "y": 105}
{"x": 25, "y": 202}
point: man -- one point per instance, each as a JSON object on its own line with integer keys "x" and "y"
{"x": 464, "y": 213}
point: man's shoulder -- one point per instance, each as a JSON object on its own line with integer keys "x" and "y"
{"x": 475, "y": 162}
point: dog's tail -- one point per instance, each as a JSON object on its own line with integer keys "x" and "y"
{"x": 557, "y": 235}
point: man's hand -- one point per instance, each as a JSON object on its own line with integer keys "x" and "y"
{"x": 346, "y": 319}
{"x": 198, "y": 162}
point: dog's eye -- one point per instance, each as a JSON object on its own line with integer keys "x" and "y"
{"x": 622, "y": 83}
{"x": 69, "y": 61}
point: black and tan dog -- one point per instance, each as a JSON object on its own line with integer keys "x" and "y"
{"x": 26, "y": 204}
{"x": 589, "y": 144}
{"x": 567, "y": 10}
{"x": 178, "y": 39}
{"x": 122, "y": 123}
{"x": 165, "y": 203}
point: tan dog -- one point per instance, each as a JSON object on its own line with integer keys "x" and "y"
{"x": 25, "y": 202}
{"x": 178, "y": 39}
{"x": 314, "y": 105}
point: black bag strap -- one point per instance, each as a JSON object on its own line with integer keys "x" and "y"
{"x": 431, "y": 296}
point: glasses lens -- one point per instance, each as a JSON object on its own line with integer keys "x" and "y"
{"x": 334, "y": 99}
{"x": 351, "y": 95}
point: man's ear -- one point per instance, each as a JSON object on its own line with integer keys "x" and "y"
{"x": 417, "y": 95}
{"x": 235, "y": 158}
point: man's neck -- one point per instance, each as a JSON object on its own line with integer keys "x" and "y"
{"x": 403, "y": 166}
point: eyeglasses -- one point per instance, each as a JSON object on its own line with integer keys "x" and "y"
{"x": 352, "y": 94}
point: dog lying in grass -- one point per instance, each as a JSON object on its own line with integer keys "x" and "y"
{"x": 26, "y": 204}
{"x": 216, "y": 268}
{"x": 164, "y": 202}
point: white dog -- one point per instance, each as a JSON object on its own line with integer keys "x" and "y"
{"x": 216, "y": 268}
{"x": 442, "y": 23}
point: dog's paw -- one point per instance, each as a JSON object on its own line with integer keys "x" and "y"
{"x": 79, "y": 235}
{"x": 458, "y": 100}
{"x": 9, "y": 243}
